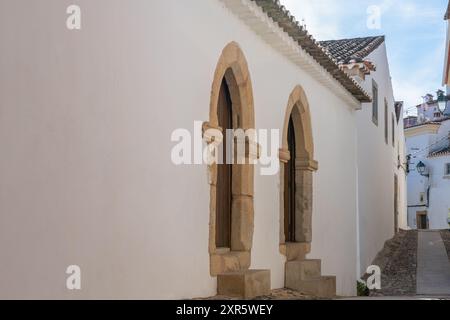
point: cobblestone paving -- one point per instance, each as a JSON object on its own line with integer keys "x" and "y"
{"x": 286, "y": 294}
{"x": 398, "y": 263}
{"x": 445, "y": 235}
{"x": 277, "y": 294}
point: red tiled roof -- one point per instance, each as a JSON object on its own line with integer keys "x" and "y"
{"x": 442, "y": 152}
{"x": 438, "y": 122}
{"x": 352, "y": 50}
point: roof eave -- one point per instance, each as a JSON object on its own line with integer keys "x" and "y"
{"x": 447, "y": 14}
{"x": 288, "y": 24}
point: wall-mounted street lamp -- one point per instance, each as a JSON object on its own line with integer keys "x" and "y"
{"x": 421, "y": 168}
{"x": 442, "y": 100}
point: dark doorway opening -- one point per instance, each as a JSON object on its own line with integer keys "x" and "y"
{"x": 224, "y": 171}
{"x": 422, "y": 220}
{"x": 290, "y": 187}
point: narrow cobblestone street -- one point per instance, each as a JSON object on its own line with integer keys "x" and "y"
{"x": 410, "y": 258}
{"x": 398, "y": 263}
{"x": 415, "y": 265}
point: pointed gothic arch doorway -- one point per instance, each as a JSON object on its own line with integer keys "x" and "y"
{"x": 289, "y": 187}
{"x": 298, "y": 165}
{"x": 224, "y": 191}
{"x": 231, "y": 185}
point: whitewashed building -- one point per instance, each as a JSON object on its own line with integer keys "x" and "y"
{"x": 381, "y": 146}
{"x": 428, "y": 144}
{"x": 87, "y": 123}
{"x": 429, "y": 178}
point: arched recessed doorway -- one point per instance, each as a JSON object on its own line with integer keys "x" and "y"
{"x": 298, "y": 165}
{"x": 289, "y": 187}
{"x": 224, "y": 191}
{"x": 231, "y": 185}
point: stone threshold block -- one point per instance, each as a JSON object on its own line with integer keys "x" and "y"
{"x": 246, "y": 284}
{"x": 297, "y": 250}
{"x": 302, "y": 270}
{"x": 305, "y": 276}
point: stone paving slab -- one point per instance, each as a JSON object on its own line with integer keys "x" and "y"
{"x": 433, "y": 266}
{"x": 398, "y": 263}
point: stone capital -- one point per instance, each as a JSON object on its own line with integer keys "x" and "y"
{"x": 209, "y": 132}
{"x": 284, "y": 155}
{"x": 307, "y": 165}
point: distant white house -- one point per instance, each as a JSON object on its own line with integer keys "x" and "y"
{"x": 430, "y": 109}
{"x": 428, "y": 146}
{"x": 428, "y": 143}
{"x": 429, "y": 178}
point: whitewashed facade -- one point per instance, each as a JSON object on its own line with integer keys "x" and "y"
{"x": 428, "y": 193}
{"x": 85, "y": 133}
{"x": 428, "y": 144}
{"x": 381, "y": 165}
{"x": 381, "y": 146}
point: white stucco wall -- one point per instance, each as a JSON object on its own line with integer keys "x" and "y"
{"x": 402, "y": 178}
{"x": 377, "y": 164}
{"x": 86, "y": 178}
{"x": 438, "y": 204}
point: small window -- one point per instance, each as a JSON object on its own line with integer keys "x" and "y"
{"x": 375, "y": 102}
{"x": 386, "y": 128}
{"x": 447, "y": 169}
{"x": 393, "y": 130}
{"x": 422, "y": 197}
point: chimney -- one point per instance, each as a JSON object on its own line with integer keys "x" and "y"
{"x": 358, "y": 69}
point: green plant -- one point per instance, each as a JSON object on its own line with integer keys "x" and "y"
{"x": 362, "y": 289}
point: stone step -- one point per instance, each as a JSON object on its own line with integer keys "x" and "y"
{"x": 302, "y": 270}
{"x": 246, "y": 284}
{"x": 322, "y": 287}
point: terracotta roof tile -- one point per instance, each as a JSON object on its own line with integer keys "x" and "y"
{"x": 352, "y": 50}
{"x": 440, "y": 152}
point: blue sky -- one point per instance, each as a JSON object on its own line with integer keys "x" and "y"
{"x": 414, "y": 29}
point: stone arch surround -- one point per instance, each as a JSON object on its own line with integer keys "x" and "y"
{"x": 233, "y": 66}
{"x": 305, "y": 165}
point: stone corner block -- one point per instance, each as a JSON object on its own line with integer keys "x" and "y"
{"x": 234, "y": 261}
{"x": 245, "y": 284}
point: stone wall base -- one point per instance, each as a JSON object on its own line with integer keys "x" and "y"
{"x": 245, "y": 284}
{"x": 305, "y": 276}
